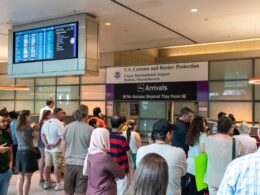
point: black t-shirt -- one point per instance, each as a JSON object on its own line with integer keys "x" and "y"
{"x": 179, "y": 135}
{"x": 5, "y": 137}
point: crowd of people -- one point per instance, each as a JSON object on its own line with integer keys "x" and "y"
{"x": 108, "y": 159}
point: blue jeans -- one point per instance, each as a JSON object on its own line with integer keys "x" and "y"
{"x": 4, "y": 181}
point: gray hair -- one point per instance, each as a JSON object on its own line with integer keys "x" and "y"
{"x": 244, "y": 128}
{"x": 80, "y": 113}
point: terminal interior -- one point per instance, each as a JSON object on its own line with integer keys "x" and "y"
{"x": 223, "y": 37}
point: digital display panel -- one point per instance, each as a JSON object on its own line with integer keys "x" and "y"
{"x": 46, "y": 43}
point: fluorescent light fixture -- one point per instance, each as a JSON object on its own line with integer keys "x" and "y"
{"x": 14, "y": 88}
{"x": 194, "y": 10}
{"x": 254, "y": 80}
{"x": 107, "y": 23}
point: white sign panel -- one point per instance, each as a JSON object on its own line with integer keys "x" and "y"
{"x": 195, "y": 71}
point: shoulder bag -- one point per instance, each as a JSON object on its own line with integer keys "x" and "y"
{"x": 233, "y": 148}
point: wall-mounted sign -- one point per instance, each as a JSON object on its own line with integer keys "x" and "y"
{"x": 196, "y": 71}
{"x": 190, "y": 90}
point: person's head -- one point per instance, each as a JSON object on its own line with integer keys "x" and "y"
{"x": 186, "y": 114}
{"x": 50, "y": 103}
{"x": 224, "y": 125}
{"x": 97, "y": 112}
{"x": 151, "y": 177}
{"x": 131, "y": 125}
{"x": 99, "y": 141}
{"x": 244, "y": 128}
{"x": 221, "y": 114}
{"x": 46, "y": 115}
{"x": 58, "y": 113}
{"x": 3, "y": 121}
{"x": 198, "y": 125}
{"x": 23, "y": 120}
{"x": 13, "y": 115}
{"x": 81, "y": 113}
{"x": 116, "y": 122}
{"x": 123, "y": 119}
{"x": 162, "y": 131}
{"x": 93, "y": 122}
{"x": 231, "y": 116}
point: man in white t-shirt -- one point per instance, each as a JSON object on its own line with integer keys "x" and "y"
{"x": 175, "y": 157}
{"x": 49, "y": 106}
{"x": 51, "y": 137}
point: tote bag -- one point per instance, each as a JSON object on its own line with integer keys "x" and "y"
{"x": 200, "y": 163}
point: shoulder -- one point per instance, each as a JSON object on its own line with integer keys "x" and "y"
{"x": 176, "y": 151}
{"x": 246, "y": 161}
{"x": 203, "y": 137}
{"x": 118, "y": 136}
{"x": 142, "y": 151}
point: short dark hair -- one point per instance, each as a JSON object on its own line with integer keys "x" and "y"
{"x": 231, "y": 116}
{"x": 80, "y": 113}
{"x": 96, "y": 111}
{"x": 2, "y": 113}
{"x": 221, "y": 114}
{"x": 56, "y": 110}
{"x": 116, "y": 121}
{"x": 13, "y": 114}
{"x": 93, "y": 122}
{"x": 49, "y": 101}
{"x": 160, "y": 129}
{"x": 224, "y": 125}
{"x": 185, "y": 111}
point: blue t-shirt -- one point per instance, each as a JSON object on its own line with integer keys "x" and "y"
{"x": 22, "y": 135}
{"x": 13, "y": 130}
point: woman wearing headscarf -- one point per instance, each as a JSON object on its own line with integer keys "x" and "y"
{"x": 99, "y": 166}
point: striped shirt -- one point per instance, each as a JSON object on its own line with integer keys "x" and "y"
{"x": 242, "y": 176}
{"x": 118, "y": 149}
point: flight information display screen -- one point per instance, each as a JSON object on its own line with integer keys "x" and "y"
{"x": 46, "y": 43}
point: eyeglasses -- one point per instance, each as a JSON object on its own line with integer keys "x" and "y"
{"x": 3, "y": 121}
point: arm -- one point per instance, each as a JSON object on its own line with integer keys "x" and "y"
{"x": 114, "y": 168}
{"x": 202, "y": 148}
{"x": 202, "y": 140}
{"x": 44, "y": 140}
{"x": 138, "y": 140}
{"x": 130, "y": 164}
{"x": 229, "y": 181}
{"x": 58, "y": 141}
{"x": 11, "y": 157}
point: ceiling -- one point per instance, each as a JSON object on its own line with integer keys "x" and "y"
{"x": 139, "y": 24}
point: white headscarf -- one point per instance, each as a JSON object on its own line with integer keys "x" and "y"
{"x": 99, "y": 143}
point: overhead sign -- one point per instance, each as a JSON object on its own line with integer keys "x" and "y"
{"x": 190, "y": 90}
{"x": 195, "y": 71}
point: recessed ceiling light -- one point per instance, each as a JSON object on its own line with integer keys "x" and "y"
{"x": 194, "y": 10}
{"x": 107, "y": 23}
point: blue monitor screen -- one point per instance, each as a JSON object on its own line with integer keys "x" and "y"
{"x": 46, "y": 43}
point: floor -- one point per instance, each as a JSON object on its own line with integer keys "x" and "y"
{"x": 35, "y": 188}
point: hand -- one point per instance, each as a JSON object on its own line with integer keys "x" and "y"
{"x": 4, "y": 148}
{"x": 49, "y": 146}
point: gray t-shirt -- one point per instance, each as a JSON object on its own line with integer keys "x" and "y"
{"x": 77, "y": 137}
{"x": 23, "y": 136}
{"x": 219, "y": 152}
{"x": 176, "y": 160}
